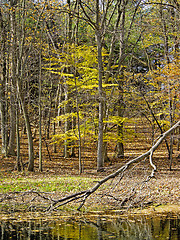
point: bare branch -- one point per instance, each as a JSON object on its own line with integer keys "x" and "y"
{"x": 176, "y": 6}
{"x": 86, "y": 194}
{"x": 133, "y": 196}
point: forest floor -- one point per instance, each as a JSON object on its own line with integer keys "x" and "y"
{"x": 60, "y": 177}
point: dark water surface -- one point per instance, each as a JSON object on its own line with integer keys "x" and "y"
{"x": 100, "y": 228}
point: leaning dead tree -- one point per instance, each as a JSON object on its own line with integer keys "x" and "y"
{"x": 83, "y": 195}
{"x": 28, "y": 198}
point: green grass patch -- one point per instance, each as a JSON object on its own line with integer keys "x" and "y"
{"x": 50, "y": 184}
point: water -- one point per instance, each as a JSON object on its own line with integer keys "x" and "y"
{"x": 99, "y": 228}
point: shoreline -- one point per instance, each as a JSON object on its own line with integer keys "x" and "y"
{"x": 159, "y": 196}
{"x": 171, "y": 211}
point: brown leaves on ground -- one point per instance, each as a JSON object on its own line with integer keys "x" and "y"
{"x": 131, "y": 190}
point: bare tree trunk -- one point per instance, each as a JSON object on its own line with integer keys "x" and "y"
{"x": 105, "y": 155}
{"x": 19, "y": 77}
{"x": 49, "y": 117}
{"x": 104, "y": 13}
{"x": 67, "y": 126}
{"x": 171, "y": 124}
{"x": 12, "y": 137}
{"x": 164, "y": 27}
{"x": 57, "y": 112}
{"x": 79, "y": 131}
{"x": 100, "y": 160}
{"x": 73, "y": 128}
{"x": 18, "y": 161}
{"x": 40, "y": 117}
{"x": 29, "y": 132}
{"x": 69, "y": 22}
{"x": 59, "y": 101}
{"x": 171, "y": 103}
{"x": 13, "y": 65}
{"x": 3, "y": 86}
{"x": 120, "y": 110}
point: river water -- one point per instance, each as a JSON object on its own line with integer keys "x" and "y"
{"x": 97, "y": 228}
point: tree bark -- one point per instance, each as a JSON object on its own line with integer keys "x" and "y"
{"x": 40, "y": 116}
{"x": 18, "y": 161}
{"x": 67, "y": 122}
{"x": 100, "y": 160}
{"x": 13, "y": 65}
{"x": 28, "y": 129}
{"x": 79, "y": 131}
{"x": 20, "y": 71}
{"x": 120, "y": 108}
{"x": 3, "y": 86}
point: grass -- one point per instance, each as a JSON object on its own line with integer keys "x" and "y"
{"x": 59, "y": 186}
{"x": 46, "y": 184}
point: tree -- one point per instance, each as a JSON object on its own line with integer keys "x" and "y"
{"x": 160, "y": 45}
{"x": 127, "y": 43}
{"x": 16, "y": 55}
{"x": 81, "y": 80}
{"x": 3, "y": 85}
{"x": 106, "y": 13}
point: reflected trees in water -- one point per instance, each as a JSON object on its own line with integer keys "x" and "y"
{"x": 101, "y": 228}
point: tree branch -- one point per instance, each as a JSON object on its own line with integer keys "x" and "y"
{"x": 82, "y": 196}
{"x": 85, "y": 194}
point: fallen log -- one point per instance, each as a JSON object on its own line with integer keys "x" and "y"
{"x": 28, "y": 197}
{"x": 83, "y": 195}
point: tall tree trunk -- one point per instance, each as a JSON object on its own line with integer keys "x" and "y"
{"x": 13, "y": 65}
{"x": 73, "y": 128}
{"x": 100, "y": 159}
{"x": 67, "y": 126}
{"x": 12, "y": 136}
{"x": 29, "y": 132}
{"x": 20, "y": 72}
{"x": 79, "y": 131}
{"x": 67, "y": 109}
{"x": 120, "y": 112}
{"x": 120, "y": 109}
{"x": 120, "y": 145}
{"x": 100, "y": 162}
{"x": 29, "y": 135}
{"x": 49, "y": 117}
{"x": 57, "y": 112}
{"x": 3, "y": 86}
{"x": 166, "y": 53}
{"x": 40, "y": 117}
{"x": 18, "y": 161}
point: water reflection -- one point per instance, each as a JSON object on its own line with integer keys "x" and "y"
{"x": 103, "y": 228}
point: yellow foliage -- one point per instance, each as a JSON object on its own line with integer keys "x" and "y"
{"x": 66, "y": 116}
{"x": 116, "y": 120}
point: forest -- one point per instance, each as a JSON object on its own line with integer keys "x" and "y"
{"x": 84, "y": 79}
